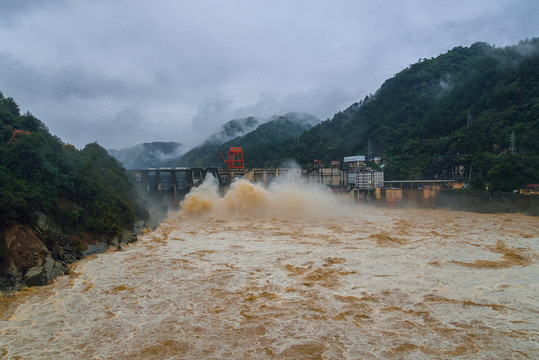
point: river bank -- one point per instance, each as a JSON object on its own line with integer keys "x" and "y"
{"x": 36, "y": 256}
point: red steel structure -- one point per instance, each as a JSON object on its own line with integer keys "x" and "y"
{"x": 234, "y": 158}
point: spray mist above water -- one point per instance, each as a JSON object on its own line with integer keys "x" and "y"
{"x": 287, "y": 197}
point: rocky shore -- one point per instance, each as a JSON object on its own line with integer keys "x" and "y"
{"x": 37, "y": 256}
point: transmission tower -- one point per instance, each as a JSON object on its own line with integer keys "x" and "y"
{"x": 513, "y": 146}
{"x": 469, "y": 118}
{"x": 369, "y": 151}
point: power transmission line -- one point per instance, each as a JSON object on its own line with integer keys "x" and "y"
{"x": 44, "y": 87}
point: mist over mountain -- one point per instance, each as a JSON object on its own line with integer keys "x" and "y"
{"x": 271, "y": 130}
{"x": 234, "y": 128}
{"x": 301, "y": 119}
{"x": 470, "y": 114}
{"x": 146, "y": 155}
{"x": 168, "y": 154}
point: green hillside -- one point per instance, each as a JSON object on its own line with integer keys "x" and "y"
{"x": 449, "y": 117}
{"x": 43, "y": 179}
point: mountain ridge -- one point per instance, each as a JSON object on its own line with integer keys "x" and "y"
{"x": 456, "y": 111}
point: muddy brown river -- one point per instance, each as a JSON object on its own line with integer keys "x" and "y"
{"x": 292, "y": 272}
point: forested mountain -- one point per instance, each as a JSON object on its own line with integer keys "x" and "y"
{"x": 254, "y": 143}
{"x": 154, "y": 154}
{"x": 453, "y": 116}
{"x": 50, "y": 192}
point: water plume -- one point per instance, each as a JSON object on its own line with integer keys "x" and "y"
{"x": 287, "y": 197}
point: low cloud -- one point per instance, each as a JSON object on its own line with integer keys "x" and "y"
{"x": 177, "y": 71}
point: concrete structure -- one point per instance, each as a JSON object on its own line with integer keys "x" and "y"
{"x": 333, "y": 177}
{"x": 265, "y": 176}
{"x": 170, "y": 185}
{"x": 366, "y": 180}
{"x": 418, "y": 184}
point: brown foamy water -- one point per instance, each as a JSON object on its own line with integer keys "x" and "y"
{"x": 291, "y": 272}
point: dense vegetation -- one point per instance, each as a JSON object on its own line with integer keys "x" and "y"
{"x": 79, "y": 191}
{"x": 450, "y": 117}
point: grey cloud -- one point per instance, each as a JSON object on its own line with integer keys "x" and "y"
{"x": 13, "y": 11}
{"x": 176, "y": 70}
{"x": 212, "y": 112}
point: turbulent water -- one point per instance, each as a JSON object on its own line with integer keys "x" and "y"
{"x": 292, "y": 273}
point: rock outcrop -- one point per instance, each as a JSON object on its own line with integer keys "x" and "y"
{"x": 29, "y": 261}
{"x": 34, "y": 257}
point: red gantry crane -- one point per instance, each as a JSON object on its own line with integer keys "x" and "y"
{"x": 234, "y": 158}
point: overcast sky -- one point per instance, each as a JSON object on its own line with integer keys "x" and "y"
{"x": 123, "y": 72}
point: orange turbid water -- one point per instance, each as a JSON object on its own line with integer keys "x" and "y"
{"x": 291, "y": 272}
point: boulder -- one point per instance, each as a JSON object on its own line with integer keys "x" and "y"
{"x": 65, "y": 252}
{"x": 35, "y": 276}
{"x": 53, "y": 269}
{"x": 25, "y": 248}
{"x": 31, "y": 263}
{"x": 11, "y": 278}
{"x": 46, "y": 224}
{"x": 98, "y": 248}
{"x": 41, "y": 275}
{"x": 128, "y": 237}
